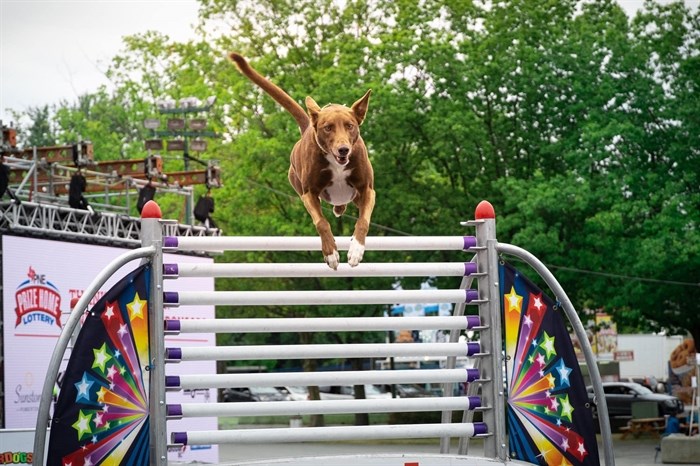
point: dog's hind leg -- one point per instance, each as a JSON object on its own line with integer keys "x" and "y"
{"x": 328, "y": 246}
{"x": 365, "y": 204}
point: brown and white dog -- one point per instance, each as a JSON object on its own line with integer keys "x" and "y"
{"x": 329, "y": 162}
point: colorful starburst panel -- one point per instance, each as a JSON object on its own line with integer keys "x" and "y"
{"x": 101, "y": 415}
{"x": 549, "y": 420}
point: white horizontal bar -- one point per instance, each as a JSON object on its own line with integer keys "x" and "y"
{"x": 313, "y": 243}
{"x": 298, "y": 408}
{"x": 323, "y": 324}
{"x": 286, "y": 270}
{"x": 324, "y": 434}
{"x": 366, "y": 350}
{"x": 324, "y": 297}
{"x": 194, "y": 381}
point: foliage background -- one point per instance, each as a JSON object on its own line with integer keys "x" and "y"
{"x": 579, "y": 124}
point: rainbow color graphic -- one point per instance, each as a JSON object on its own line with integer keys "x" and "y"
{"x": 549, "y": 419}
{"x": 101, "y": 415}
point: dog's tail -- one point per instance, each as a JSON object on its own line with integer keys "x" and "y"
{"x": 274, "y": 91}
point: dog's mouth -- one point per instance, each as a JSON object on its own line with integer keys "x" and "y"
{"x": 342, "y": 159}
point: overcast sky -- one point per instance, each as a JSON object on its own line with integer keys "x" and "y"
{"x": 58, "y": 49}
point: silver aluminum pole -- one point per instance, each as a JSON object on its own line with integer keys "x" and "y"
{"x": 451, "y": 362}
{"x": 152, "y": 235}
{"x": 32, "y": 194}
{"x": 491, "y": 338}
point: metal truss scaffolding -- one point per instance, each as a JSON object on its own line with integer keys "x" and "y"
{"x": 54, "y": 221}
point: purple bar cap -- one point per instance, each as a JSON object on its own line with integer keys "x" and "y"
{"x": 470, "y": 268}
{"x": 480, "y": 428}
{"x": 472, "y": 321}
{"x": 173, "y": 354}
{"x": 172, "y": 325}
{"x": 171, "y": 297}
{"x": 473, "y": 347}
{"x": 472, "y": 374}
{"x": 469, "y": 242}
{"x": 170, "y": 242}
{"x": 171, "y": 270}
{"x": 174, "y": 410}
{"x": 179, "y": 438}
{"x": 172, "y": 381}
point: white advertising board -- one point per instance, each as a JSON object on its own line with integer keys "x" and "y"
{"x": 16, "y": 446}
{"x": 39, "y": 279}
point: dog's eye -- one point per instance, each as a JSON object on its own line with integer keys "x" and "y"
{"x": 328, "y": 128}
{"x": 349, "y": 126}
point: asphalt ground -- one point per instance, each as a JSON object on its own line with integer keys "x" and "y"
{"x": 629, "y": 451}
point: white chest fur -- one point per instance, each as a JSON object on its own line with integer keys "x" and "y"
{"x": 339, "y": 192}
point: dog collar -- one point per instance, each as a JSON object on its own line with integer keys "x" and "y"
{"x": 318, "y": 143}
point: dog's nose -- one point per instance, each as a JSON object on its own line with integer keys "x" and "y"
{"x": 343, "y": 151}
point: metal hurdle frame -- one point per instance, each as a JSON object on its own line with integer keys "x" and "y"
{"x": 488, "y": 323}
{"x": 464, "y": 296}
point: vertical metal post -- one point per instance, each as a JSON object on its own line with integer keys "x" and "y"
{"x": 189, "y": 207}
{"x": 35, "y": 187}
{"x": 189, "y": 201}
{"x": 186, "y": 153}
{"x": 451, "y": 363}
{"x": 491, "y": 338}
{"x": 128, "y": 196}
{"x": 152, "y": 235}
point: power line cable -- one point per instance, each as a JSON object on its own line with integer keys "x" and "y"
{"x": 560, "y": 267}
{"x": 623, "y": 277}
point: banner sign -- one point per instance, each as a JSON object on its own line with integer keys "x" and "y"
{"x": 102, "y": 410}
{"x": 549, "y": 419}
{"x": 40, "y": 279}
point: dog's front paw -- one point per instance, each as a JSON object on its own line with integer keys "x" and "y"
{"x": 333, "y": 260}
{"x": 355, "y": 252}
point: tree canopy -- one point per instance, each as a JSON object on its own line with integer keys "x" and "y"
{"x": 579, "y": 124}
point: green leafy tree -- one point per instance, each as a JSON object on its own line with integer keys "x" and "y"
{"x": 39, "y": 131}
{"x": 105, "y": 121}
{"x": 578, "y": 123}
{"x": 624, "y": 214}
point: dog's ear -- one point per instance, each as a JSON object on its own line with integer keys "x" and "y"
{"x": 313, "y": 109}
{"x": 359, "y": 108}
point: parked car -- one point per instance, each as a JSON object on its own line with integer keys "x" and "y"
{"x": 347, "y": 392}
{"x": 409, "y": 391}
{"x": 652, "y": 383}
{"x": 619, "y": 397}
{"x": 296, "y": 393}
{"x": 254, "y": 394}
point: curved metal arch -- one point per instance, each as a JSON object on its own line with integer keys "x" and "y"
{"x": 580, "y": 332}
{"x": 42, "y": 419}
